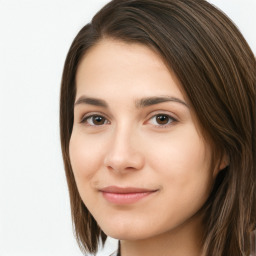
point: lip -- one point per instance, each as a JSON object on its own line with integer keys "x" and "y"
{"x": 125, "y": 195}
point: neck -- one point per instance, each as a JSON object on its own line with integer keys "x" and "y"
{"x": 182, "y": 241}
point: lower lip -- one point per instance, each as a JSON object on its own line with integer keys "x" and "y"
{"x": 128, "y": 198}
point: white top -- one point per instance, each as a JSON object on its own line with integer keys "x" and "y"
{"x": 114, "y": 253}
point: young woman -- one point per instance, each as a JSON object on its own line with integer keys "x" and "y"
{"x": 157, "y": 121}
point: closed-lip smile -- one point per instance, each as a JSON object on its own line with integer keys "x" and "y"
{"x": 125, "y": 195}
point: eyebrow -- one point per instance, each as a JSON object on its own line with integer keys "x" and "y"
{"x": 145, "y": 102}
{"x": 141, "y": 103}
{"x": 91, "y": 101}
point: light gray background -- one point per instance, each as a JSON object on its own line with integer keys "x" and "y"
{"x": 34, "y": 38}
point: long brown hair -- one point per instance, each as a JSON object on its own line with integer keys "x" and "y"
{"x": 217, "y": 71}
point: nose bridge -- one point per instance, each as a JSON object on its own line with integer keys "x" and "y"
{"x": 123, "y": 151}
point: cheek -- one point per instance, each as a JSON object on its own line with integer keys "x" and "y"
{"x": 85, "y": 157}
{"x": 183, "y": 160}
{"x": 182, "y": 164}
{"x": 181, "y": 150}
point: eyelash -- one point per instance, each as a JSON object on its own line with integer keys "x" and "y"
{"x": 170, "y": 122}
{"x": 85, "y": 119}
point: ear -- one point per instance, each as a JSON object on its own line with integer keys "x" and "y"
{"x": 223, "y": 163}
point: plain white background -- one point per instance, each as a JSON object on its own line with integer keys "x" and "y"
{"x": 34, "y": 38}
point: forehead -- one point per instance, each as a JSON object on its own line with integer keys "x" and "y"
{"x": 110, "y": 51}
{"x": 120, "y": 66}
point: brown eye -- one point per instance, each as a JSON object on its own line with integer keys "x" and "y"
{"x": 95, "y": 120}
{"x": 98, "y": 120}
{"x": 162, "y": 119}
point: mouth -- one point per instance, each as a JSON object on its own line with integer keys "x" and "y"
{"x": 125, "y": 195}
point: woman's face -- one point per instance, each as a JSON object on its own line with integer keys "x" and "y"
{"x": 140, "y": 162}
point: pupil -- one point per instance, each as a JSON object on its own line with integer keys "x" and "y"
{"x": 98, "y": 120}
{"x": 162, "y": 119}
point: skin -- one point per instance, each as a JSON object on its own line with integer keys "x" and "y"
{"x": 129, "y": 147}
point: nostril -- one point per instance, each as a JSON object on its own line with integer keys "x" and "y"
{"x": 124, "y": 162}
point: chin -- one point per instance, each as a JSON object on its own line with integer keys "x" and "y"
{"x": 128, "y": 232}
{"x": 124, "y": 231}
{"x": 134, "y": 236}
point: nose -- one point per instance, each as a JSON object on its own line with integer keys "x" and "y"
{"x": 123, "y": 152}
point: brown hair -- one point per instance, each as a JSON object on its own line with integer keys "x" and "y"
{"x": 217, "y": 70}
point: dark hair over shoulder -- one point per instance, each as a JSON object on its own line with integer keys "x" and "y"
{"x": 217, "y": 71}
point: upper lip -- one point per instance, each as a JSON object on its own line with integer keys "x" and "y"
{"x": 125, "y": 190}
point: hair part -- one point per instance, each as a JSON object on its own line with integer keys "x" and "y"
{"x": 217, "y": 71}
